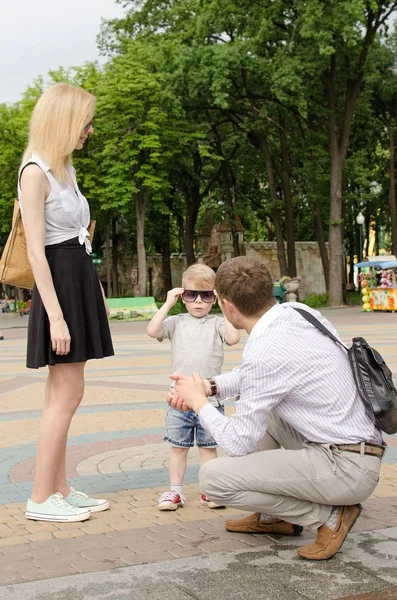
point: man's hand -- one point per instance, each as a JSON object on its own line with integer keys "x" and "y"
{"x": 189, "y": 393}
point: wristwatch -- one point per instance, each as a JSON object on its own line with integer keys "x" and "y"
{"x": 214, "y": 389}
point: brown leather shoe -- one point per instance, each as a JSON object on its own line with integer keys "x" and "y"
{"x": 328, "y": 541}
{"x": 253, "y": 524}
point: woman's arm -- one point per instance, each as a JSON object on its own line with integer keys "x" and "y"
{"x": 35, "y": 188}
{"x": 104, "y": 300}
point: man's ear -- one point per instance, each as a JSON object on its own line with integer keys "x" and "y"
{"x": 226, "y": 304}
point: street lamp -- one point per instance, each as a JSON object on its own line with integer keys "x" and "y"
{"x": 360, "y": 220}
{"x": 375, "y": 188}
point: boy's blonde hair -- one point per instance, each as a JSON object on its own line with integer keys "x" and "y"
{"x": 58, "y": 119}
{"x": 202, "y": 276}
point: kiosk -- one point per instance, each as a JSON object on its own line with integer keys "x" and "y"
{"x": 378, "y": 283}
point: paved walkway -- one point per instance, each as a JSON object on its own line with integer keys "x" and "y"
{"x": 116, "y": 450}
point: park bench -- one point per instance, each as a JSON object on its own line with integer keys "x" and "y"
{"x": 132, "y": 309}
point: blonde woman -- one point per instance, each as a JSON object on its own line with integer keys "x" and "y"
{"x": 68, "y": 322}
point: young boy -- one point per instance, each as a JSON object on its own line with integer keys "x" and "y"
{"x": 196, "y": 345}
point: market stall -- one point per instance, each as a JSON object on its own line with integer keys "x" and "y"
{"x": 378, "y": 284}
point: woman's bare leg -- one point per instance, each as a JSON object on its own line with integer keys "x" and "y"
{"x": 64, "y": 392}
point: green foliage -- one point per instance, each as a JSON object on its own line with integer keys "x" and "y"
{"x": 14, "y": 119}
{"x": 177, "y": 309}
{"x": 190, "y": 95}
{"x": 354, "y": 299}
{"x": 316, "y": 300}
{"x": 322, "y": 300}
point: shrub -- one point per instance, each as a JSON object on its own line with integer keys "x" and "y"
{"x": 316, "y": 300}
{"x": 178, "y": 307}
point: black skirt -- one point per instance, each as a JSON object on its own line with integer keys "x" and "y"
{"x": 80, "y": 297}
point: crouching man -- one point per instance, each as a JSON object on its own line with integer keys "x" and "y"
{"x": 320, "y": 454}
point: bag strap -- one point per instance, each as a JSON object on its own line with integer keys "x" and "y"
{"x": 312, "y": 319}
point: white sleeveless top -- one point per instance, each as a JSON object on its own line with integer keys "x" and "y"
{"x": 66, "y": 210}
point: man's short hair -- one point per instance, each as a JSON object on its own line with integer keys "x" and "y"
{"x": 247, "y": 283}
{"x": 201, "y": 275}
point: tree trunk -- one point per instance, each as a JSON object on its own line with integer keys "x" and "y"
{"x": 259, "y": 140}
{"x": 339, "y": 139}
{"x": 336, "y": 233}
{"x": 181, "y": 233}
{"x": 140, "y": 210}
{"x": 335, "y": 220}
{"x": 392, "y": 185}
{"x": 288, "y": 204}
{"x": 269, "y": 229}
{"x": 351, "y": 245}
{"x": 318, "y": 226}
{"x": 109, "y": 291}
{"x": 230, "y": 202}
{"x": 115, "y": 276}
{"x": 192, "y": 207}
{"x": 228, "y": 184}
{"x": 192, "y": 197}
{"x": 166, "y": 252}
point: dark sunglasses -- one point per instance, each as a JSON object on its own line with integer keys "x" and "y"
{"x": 88, "y": 126}
{"x": 192, "y": 295}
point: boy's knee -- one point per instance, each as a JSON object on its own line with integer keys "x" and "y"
{"x": 180, "y": 450}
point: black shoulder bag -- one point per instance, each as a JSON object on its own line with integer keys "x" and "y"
{"x": 373, "y": 378}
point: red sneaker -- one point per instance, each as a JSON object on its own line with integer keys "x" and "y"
{"x": 171, "y": 501}
{"x": 207, "y": 502}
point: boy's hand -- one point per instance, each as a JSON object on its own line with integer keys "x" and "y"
{"x": 217, "y": 300}
{"x": 173, "y": 295}
{"x": 188, "y": 392}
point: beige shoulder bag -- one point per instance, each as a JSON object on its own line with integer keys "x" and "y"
{"x": 15, "y": 268}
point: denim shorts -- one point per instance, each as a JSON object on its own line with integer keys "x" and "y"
{"x": 180, "y": 427}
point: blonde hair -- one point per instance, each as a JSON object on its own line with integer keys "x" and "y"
{"x": 202, "y": 275}
{"x": 58, "y": 119}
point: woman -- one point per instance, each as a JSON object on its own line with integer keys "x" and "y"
{"x": 68, "y": 322}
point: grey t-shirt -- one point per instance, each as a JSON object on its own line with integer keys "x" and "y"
{"x": 196, "y": 344}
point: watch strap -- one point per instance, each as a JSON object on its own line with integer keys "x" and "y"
{"x": 214, "y": 388}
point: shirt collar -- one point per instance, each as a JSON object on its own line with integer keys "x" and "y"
{"x": 260, "y": 326}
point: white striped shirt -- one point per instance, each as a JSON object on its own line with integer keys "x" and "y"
{"x": 292, "y": 368}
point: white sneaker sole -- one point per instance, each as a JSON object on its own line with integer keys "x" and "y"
{"x": 169, "y": 506}
{"x": 56, "y": 518}
{"x": 99, "y": 507}
{"x": 211, "y": 504}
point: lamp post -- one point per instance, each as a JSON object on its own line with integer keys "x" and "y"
{"x": 360, "y": 220}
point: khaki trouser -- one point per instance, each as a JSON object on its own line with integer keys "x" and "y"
{"x": 291, "y": 479}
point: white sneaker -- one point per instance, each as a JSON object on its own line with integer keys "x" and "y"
{"x": 55, "y": 509}
{"x": 171, "y": 501}
{"x": 207, "y": 502}
{"x": 82, "y": 500}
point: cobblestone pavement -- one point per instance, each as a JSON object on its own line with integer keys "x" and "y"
{"x": 116, "y": 450}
